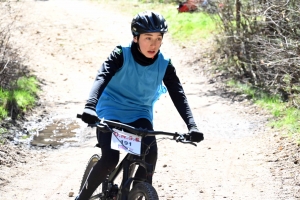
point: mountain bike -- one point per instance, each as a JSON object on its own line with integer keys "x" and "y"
{"x": 135, "y": 156}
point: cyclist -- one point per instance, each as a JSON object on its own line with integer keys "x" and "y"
{"x": 125, "y": 89}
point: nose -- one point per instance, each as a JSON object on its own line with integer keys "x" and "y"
{"x": 154, "y": 43}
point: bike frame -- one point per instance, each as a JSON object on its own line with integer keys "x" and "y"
{"x": 128, "y": 165}
{"x": 130, "y": 161}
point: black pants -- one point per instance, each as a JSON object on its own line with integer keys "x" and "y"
{"x": 110, "y": 159}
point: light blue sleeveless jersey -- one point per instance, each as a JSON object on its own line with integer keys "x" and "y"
{"x": 133, "y": 90}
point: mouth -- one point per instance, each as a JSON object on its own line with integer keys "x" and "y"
{"x": 151, "y": 52}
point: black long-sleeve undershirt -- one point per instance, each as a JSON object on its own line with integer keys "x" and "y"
{"x": 115, "y": 61}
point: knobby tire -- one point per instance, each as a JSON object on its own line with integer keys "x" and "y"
{"x": 93, "y": 160}
{"x": 143, "y": 191}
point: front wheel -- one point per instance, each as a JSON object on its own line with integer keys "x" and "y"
{"x": 92, "y": 162}
{"x": 143, "y": 191}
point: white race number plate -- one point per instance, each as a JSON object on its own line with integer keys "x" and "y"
{"x": 126, "y": 142}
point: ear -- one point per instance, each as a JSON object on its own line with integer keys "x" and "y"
{"x": 135, "y": 39}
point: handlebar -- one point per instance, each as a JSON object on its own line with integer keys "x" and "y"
{"x": 107, "y": 125}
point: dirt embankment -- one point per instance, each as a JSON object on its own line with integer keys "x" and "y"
{"x": 65, "y": 43}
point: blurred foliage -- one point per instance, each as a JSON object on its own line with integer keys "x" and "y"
{"x": 21, "y": 96}
{"x": 259, "y": 44}
{"x": 17, "y": 91}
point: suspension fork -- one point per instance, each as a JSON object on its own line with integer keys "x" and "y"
{"x": 128, "y": 165}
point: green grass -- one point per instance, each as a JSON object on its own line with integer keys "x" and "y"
{"x": 23, "y": 96}
{"x": 24, "y": 99}
{"x": 2, "y": 130}
{"x": 285, "y": 118}
{"x": 185, "y": 28}
{"x": 189, "y": 27}
{"x": 273, "y": 104}
{"x": 28, "y": 84}
{"x": 4, "y": 98}
{"x": 244, "y": 88}
{"x": 3, "y": 113}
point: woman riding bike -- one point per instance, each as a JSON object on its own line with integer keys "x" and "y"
{"x": 125, "y": 89}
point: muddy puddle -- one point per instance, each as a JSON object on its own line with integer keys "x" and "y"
{"x": 57, "y": 133}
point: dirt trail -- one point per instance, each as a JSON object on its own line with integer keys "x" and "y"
{"x": 66, "y": 41}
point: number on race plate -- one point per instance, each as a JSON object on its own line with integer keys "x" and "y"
{"x": 126, "y": 142}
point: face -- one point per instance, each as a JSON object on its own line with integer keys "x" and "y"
{"x": 149, "y": 43}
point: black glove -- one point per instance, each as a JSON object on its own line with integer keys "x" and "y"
{"x": 195, "y": 135}
{"x": 89, "y": 116}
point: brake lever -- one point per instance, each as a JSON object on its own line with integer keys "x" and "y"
{"x": 189, "y": 142}
{"x": 93, "y": 125}
{"x": 182, "y": 138}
